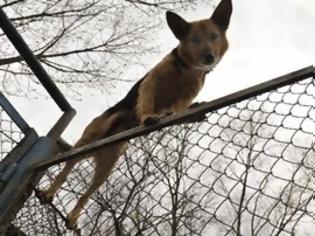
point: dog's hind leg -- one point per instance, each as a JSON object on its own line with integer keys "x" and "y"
{"x": 48, "y": 194}
{"x": 105, "y": 161}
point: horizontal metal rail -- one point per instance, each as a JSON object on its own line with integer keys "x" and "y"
{"x": 180, "y": 118}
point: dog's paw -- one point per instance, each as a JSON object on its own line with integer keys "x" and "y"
{"x": 151, "y": 120}
{"x": 44, "y": 196}
{"x": 169, "y": 113}
{"x": 197, "y": 118}
{"x": 197, "y": 104}
{"x": 71, "y": 223}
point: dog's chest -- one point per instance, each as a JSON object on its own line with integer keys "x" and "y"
{"x": 176, "y": 93}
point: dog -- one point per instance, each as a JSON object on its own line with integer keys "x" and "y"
{"x": 168, "y": 88}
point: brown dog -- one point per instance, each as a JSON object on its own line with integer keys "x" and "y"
{"x": 168, "y": 88}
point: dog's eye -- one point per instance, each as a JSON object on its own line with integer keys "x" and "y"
{"x": 195, "y": 39}
{"x": 213, "y": 36}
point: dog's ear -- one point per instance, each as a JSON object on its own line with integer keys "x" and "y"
{"x": 178, "y": 25}
{"x": 222, "y": 14}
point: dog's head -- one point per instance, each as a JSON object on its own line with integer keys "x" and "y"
{"x": 202, "y": 43}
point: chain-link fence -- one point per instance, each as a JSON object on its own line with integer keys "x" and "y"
{"x": 10, "y": 134}
{"x": 248, "y": 169}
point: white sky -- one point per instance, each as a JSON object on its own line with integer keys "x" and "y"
{"x": 268, "y": 38}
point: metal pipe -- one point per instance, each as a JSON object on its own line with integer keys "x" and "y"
{"x": 13, "y": 114}
{"x": 33, "y": 62}
{"x": 61, "y": 124}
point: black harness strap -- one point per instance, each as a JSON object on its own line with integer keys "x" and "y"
{"x": 178, "y": 62}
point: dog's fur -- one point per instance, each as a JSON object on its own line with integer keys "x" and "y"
{"x": 168, "y": 88}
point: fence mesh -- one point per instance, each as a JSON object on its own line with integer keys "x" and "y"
{"x": 248, "y": 169}
{"x": 10, "y": 134}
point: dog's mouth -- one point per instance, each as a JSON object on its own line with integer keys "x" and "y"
{"x": 205, "y": 68}
{"x": 208, "y": 66}
{"x": 207, "y": 63}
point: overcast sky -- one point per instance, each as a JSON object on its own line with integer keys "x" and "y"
{"x": 268, "y": 38}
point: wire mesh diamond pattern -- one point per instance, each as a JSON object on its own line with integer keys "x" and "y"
{"x": 248, "y": 169}
{"x": 10, "y": 134}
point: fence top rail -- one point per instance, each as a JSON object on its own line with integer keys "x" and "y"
{"x": 182, "y": 117}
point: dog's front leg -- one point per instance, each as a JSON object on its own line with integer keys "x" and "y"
{"x": 149, "y": 107}
{"x": 150, "y": 117}
{"x": 146, "y": 103}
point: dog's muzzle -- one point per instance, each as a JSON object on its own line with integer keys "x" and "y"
{"x": 209, "y": 59}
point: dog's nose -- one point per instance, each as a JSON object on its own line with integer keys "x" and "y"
{"x": 209, "y": 59}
